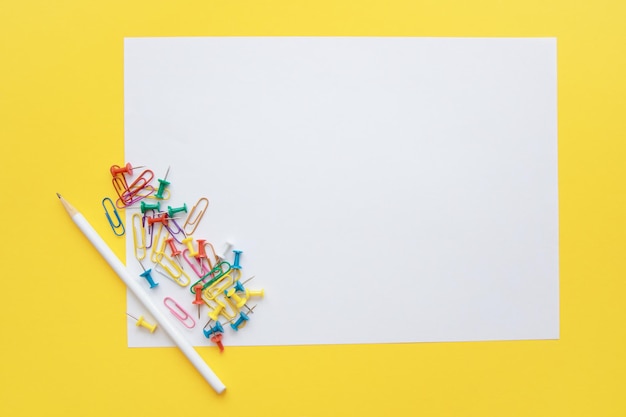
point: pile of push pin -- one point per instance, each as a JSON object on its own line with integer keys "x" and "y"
{"x": 173, "y": 252}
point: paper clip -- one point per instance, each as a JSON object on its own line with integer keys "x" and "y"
{"x": 158, "y": 243}
{"x": 175, "y": 230}
{"x": 139, "y": 237}
{"x": 216, "y": 273}
{"x": 202, "y": 245}
{"x": 119, "y": 184}
{"x": 132, "y": 193}
{"x": 179, "y": 312}
{"x": 149, "y": 230}
{"x": 152, "y": 196}
{"x": 117, "y": 226}
{"x": 193, "y": 218}
{"x": 171, "y": 270}
{"x": 197, "y": 265}
{"x": 222, "y": 284}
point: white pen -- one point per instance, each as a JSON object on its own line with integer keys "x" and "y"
{"x": 139, "y": 292}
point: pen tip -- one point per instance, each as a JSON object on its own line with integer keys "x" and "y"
{"x": 58, "y": 195}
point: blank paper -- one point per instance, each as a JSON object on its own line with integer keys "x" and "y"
{"x": 382, "y": 190}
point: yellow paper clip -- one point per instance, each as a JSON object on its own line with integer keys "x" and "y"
{"x": 193, "y": 218}
{"x": 167, "y": 267}
{"x": 139, "y": 237}
{"x": 116, "y": 225}
{"x": 159, "y": 241}
{"x": 221, "y": 284}
{"x": 165, "y": 195}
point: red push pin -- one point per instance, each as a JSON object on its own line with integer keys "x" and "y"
{"x": 127, "y": 169}
{"x": 201, "y": 250}
{"x": 175, "y": 250}
{"x": 161, "y": 218}
{"x": 217, "y": 339}
{"x": 198, "y": 301}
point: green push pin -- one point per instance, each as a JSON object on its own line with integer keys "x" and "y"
{"x": 173, "y": 210}
{"x": 147, "y": 206}
{"x": 162, "y": 184}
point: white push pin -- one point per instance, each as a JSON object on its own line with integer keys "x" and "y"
{"x": 226, "y": 247}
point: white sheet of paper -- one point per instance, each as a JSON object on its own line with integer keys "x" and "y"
{"x": 382, "y": 190}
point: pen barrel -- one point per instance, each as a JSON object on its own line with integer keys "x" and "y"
{"x": 139, "y": 292}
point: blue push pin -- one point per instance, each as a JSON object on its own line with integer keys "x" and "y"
{"x": 241, "y": 321}
{"x": 239, "y": 287}
{"x": 217, "y": 329}
{"x": 146, "y": 274}
{"x": 235, "y": 264}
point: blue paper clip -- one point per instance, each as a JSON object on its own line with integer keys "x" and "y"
{"x": 117, "y": 226}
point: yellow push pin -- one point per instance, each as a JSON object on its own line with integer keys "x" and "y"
{"x": 143, "y": 323}
{"x": 214, "y": 314}
{"x": 255, "y": 293}
{"x": 239, "y": 301}
{"x": 189, "y": 242}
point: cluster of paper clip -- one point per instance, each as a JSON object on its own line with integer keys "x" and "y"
{"x": 213, "y": 279}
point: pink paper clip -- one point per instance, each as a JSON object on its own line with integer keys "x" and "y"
{"x": 194, "y": 263}
{"x": 176, "y": 310}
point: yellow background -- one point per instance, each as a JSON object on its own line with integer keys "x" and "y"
{"x": 63, "y": 341}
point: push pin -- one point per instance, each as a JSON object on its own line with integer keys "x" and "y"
{"x": 146, "y": 274}
{"x": 225, "y": 250}
{"x": 147, "y": 206}
{"x": 126, "y": 169}
{"x": 214, "y": 315}
{"x": 189, "y": 242}
{"x": 198, "y": 301}
{"x": 255, "y": 293}
{"x": 239, "y": 301}
{"x": 161, "y": 218}
{"x": 212, "y": 329}
{"x": 173, "y": 248}
{"x": 162, "y": 184}
{"x": 241, "y": 322}
{"x": 173, "y": 210}
{"x": 236, "y": 261}
{"x": 217, "y": 339}
{"x": 201, "y": 249}
{"x": 175, "y": 251}
{"x": 143, "y": 323}
{"x": 239, "y": 285}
